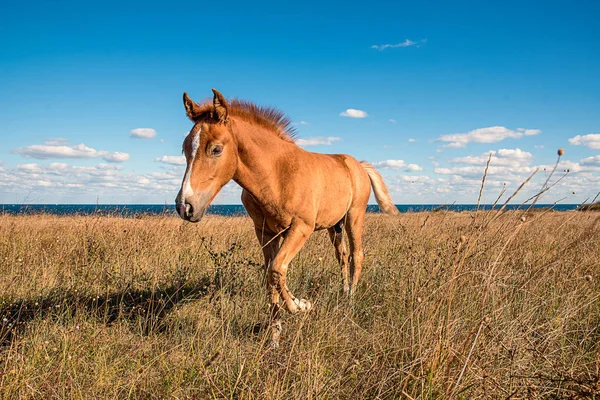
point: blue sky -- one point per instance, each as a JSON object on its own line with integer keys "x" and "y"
{"x": 90, "y": 98}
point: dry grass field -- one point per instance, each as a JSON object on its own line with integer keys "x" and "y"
{"x": 450, "y": 305}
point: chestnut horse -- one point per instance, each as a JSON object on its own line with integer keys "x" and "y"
{"x": 288, "y": 191}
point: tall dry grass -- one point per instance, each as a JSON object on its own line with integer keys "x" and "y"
{"x": 450, "y": 305}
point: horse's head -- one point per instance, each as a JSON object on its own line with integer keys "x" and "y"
{"x": 211, "y": 154}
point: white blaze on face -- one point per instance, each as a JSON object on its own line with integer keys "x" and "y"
{"x": 186, "y": 187}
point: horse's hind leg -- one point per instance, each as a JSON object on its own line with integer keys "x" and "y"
{"x": 354, "y": 227}
{"x": 341, "y": 254}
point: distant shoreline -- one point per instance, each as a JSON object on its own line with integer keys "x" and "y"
{"x": 228, "y": 209}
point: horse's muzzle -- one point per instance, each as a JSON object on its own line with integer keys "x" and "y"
{"x": 191, "y": 209}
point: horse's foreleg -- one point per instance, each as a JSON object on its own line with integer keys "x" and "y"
{"x": 341, "y": 254}
{"x": 270, "y": 245}
{"x": 294, "y": 239}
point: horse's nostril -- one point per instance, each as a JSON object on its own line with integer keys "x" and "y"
{"x": 189, "y": 210}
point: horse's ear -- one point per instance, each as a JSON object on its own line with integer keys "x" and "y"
{"x": 221, "y": 106}
{"x": 191, "y": 108}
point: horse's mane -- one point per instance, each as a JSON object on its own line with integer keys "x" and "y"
{"x": 267, "y": 117}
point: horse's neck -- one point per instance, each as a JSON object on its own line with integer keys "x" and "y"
{"x": 258, "y": 153}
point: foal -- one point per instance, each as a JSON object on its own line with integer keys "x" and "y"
{"x": 288, "y": 191}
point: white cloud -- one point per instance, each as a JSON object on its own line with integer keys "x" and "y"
{"x": 412, "y": 140}
{"x": 59, "y": 166}
{"x": 393, "y": 121}
{"x": 28, "y": 167}
{"x": 529, "y": 132}
{"x": 143, "y": 133}
{"x": 353, "y": 113}
{"x": 317, "y": 140}
{"x": 303, "y": 123}
{"x": 90, "y": 180}
{"x": 406, "y": 43}
{"x": 42, "y": 183}
{"x": 414, "y": 167}
{"x": 490, "y": 134}
{"x": 398, "y": 164}
{"x": 173, "y": 160}
{"x": 415, "y": 178}
{"x": 595, "y": 161}
{"x": 116, "y": 157}
{"x": 60, "y": 182}
{"x": 477, "y": 171}
{"x": 44, "y": 151}
{"x": 508, "y": 166}
{"x": 592, "y": 140}
{"x": 515, "y": 154}
{"x": 390, "y": 164}
{"x": 507, "y": 157}
{"x": 459, "y": 179}
{"x": 511, "y": 167}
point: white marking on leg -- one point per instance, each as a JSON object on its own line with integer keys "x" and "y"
{"x": 302, "y": 304}
{"x": 186, "y": 187}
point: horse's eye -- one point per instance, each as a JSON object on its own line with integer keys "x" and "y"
{"x": 217, "y": 150}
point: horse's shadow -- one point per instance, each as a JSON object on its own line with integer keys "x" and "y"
{"x": 147, "y": 306}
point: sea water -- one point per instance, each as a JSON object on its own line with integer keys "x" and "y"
{"x": 226, "y": 209}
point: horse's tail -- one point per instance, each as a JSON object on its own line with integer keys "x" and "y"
{"x": 382, "y": 195}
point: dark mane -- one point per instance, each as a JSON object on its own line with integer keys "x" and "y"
{"x": 267, "y": 117}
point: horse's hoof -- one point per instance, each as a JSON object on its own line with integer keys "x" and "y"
{"x": 304, "y": 305}
{"x": 275, "y": 335}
